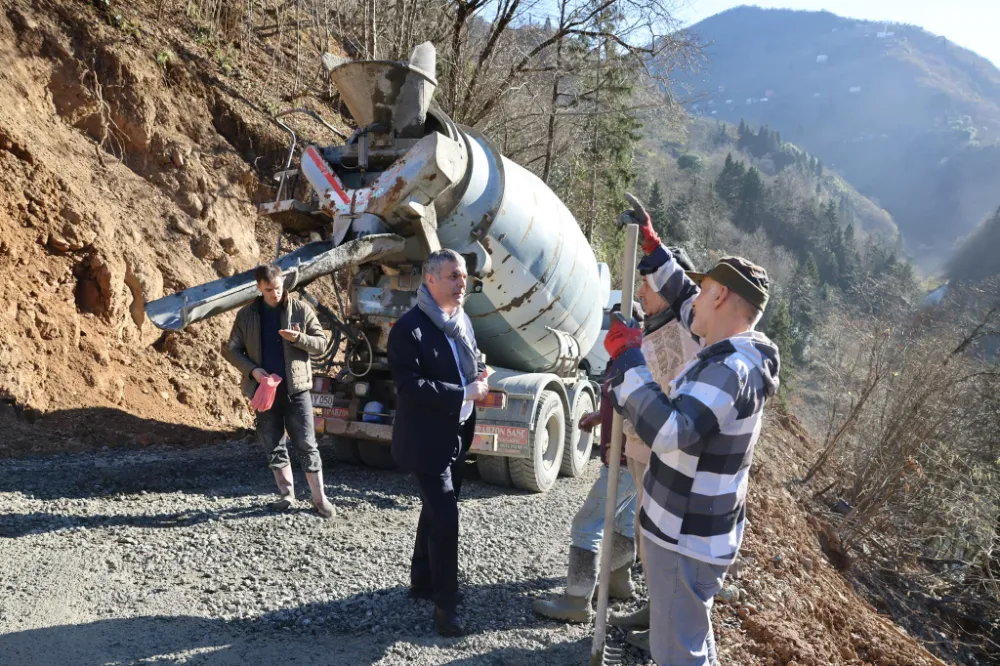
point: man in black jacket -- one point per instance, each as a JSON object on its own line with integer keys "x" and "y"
{"x": 439, "y": 374}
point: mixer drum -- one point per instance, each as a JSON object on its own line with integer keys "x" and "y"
{"x": 541, "y": 306}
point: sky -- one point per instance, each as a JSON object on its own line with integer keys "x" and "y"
{"x": 973, "y": 24}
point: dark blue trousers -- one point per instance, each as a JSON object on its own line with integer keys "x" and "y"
{"x": 434, "y": 565}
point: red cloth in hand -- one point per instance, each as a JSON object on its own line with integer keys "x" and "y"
{"x": 264, "y": 397}
{"x": 621, "y": 337}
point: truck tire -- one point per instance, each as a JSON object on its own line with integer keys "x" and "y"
{"x": 539, "y": 472}
{"x": 345, "y": 450}
{"x": 578, "y": 443}
{"x": 377, "y": 455}
{"x": 494, "y": 470}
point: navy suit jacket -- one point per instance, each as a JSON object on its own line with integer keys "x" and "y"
{"x": 426, "y": 434}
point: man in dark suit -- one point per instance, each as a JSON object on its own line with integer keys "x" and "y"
{"x": 439, "y": 374}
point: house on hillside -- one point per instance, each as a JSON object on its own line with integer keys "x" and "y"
{"x": 886, "y": 33}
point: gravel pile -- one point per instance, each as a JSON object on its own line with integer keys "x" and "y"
{"x": 167, "y": 557}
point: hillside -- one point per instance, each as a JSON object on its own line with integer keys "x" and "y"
{"x": 907, "y": 117}
{"x": 710, "y": 140}
{"x": 975, "y": 258}
{"x": 126, "y": 174}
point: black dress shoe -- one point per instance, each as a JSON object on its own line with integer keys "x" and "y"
{"x": 447, "y": 622}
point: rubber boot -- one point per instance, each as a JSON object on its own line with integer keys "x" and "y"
{"x": 639, "y": 639}
{"x": 636, "y": 620}
{"x": 622, "y": 559}
{"x": 286, "y": 489}
{"x": 323, "y": 506}
{"x": 581, "y": 579}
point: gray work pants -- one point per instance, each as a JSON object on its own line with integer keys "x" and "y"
{"x": 681, "y": 592}
{"x": 294, "y": 415}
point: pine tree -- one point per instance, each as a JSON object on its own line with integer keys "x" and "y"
{"x": 655, "y": 206}
{"x": 721, "y": 136}
{"x": 802, "y": 305}
{"x": 676, "y": 214}
{"x": 751, "y": 196}
{"x": 730, "y": 181}
{"x": 746, "y": 138}
{"x": 850, "y": 260}
{"x": 781, "y": 329}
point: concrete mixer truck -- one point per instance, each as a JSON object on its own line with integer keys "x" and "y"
{"x": 407, "y": 182}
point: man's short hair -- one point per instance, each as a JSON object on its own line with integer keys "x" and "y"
{"x": 267, "y": 273}
{"x": 436, "y": 260}
{"x": 750, "y": 310}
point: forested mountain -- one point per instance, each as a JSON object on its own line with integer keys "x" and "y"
{"x": 976, "y": 257}
{"x": 909, "y": 118}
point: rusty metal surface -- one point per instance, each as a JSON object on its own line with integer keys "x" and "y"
{"x": 545, "y": 281}
{"x": 396, "y": 94}
{"x": 372, "y": 432}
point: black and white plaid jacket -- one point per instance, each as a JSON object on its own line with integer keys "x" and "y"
{"x": 702, "y": 428}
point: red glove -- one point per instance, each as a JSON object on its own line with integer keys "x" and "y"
{"x": 264, "y": 397}
{"x": 638, "y": 215}
{"x": 621, "y": 337}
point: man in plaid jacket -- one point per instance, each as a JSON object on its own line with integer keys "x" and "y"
{"x": 702, "y": 428}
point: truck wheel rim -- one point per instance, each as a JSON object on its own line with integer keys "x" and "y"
{"x": 551, "y": 443}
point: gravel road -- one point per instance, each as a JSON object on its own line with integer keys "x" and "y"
{"x": 170, "y": 557}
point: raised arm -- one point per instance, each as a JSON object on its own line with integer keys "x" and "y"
{"x": 668, "y": 276}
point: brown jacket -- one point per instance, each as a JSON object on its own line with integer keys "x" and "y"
{"x": 244, "y": 350}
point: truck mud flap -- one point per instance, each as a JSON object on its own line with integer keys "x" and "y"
{"x": 309, "y": 262}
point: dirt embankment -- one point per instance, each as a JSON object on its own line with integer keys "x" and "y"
{"x": 125, "y": 174}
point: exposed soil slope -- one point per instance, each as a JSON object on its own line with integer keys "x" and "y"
{"x": 124, "y": 176}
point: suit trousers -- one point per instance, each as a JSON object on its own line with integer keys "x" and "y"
{"x": 434, "y": 565}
